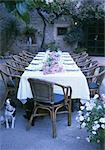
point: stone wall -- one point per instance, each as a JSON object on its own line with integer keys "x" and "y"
{"x": 4, "y": 19}
{"x": 50, "y": 35}
{"x": 19, "y": 44}
{"x": 51, "y": 31}
{"x": 6, "y": 37}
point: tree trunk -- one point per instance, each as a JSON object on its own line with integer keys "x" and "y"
{"x": 44, "y": 27}
{"x": 44, "y": 30}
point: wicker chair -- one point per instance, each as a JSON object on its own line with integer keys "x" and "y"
{"x": 94, "y": 77}
{"x": 25, "y": 56}
{"x": 3, "y": 93}
{"x": 16, "y": 65}
{"x": 20, "y": 59}
{"x": 44, "y": 98}
{"x": 9, "y": 78}
{"x": 29, "y": 53}
{"x": 13, "y": 70}
{"x": 75, "y": 55}
{"x": 90, "y": 65}
{"x": 81, "y": 58}
{"x": 85, "y": 63}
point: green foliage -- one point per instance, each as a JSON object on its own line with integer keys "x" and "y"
{"x": 73, "y": 35}
{"x": 29, "y": 31}
{"x": 90, "y": 11}
{"x": 79, "y": 50}
{"x": 95, "y": 115}
{"x": 34, "y": 4}
{"x": 12, "y": 28}
{"x": 86, "y": 13}
{"x": 18, "y": 8}
{"x": 92, "y": 117}
{"x": 22, "y": 10}
{"x": 51, "y": 46}
{"x": 56, "y": 8}
{"x": 10, "y": 5}
{"x": 9, "y": 33}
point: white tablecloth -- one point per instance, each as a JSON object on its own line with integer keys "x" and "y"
{"x": 71, "y": 76}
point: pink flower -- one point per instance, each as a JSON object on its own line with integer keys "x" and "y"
{"x": 52, "y": 63}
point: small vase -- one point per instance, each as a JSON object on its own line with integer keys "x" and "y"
{"x": 30, "y": 41}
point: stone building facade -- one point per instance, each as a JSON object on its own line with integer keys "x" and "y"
{"x": 53, "y": 33}
{"x": 7, "y": 21}
{"x": 4, "y": 19}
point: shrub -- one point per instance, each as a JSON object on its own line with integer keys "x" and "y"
{"x": 92, "y": 117}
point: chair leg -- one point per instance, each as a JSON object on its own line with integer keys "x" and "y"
{"x": 72, "y": 106}
{"x": 69, "y": 113}
{"x": 93, "y": 92}
{"x": 30, "y": 122}
{"x": 32, "y": 117}
{"x": 79, "y": 103}
{"x": 53, "y": 119}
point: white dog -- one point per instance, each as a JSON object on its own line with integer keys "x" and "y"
{"x": 10, "y": 112}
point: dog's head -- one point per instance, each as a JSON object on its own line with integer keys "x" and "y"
{"x": 10, "y": 105}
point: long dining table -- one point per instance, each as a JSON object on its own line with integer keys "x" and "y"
{"x": 70, "y": 76}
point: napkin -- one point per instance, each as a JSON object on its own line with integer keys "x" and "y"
{"x": 65, "y": 53}
{"x": 66, "y": 60}
{"x": 34, "y": 67}
{"x": 63, "y": 56}
{"x": 72, "y": 69}
{"x": 36, "y": 62}
{"x": 38, "y": 58}
{"x": 41, "y": 53}
{"x": 68, "y": 63}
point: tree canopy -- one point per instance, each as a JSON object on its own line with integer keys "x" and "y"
{"x": 81, "y": 12}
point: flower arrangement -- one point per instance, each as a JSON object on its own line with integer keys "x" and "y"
{"x": 52, "y": 47}
{"x": 92, "y": 117}
{"x": 52, "y": 64}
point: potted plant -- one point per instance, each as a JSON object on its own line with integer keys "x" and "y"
{"x": 29, "y": 32}
{"x": 80, "y": 49}
{"x": 92, "y": 117}
{"x": 52, "y": 47}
